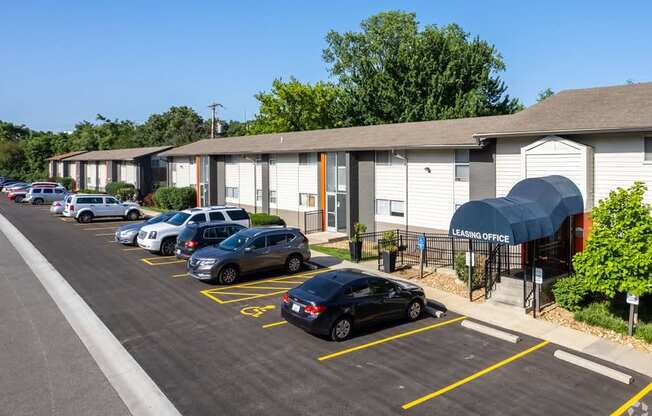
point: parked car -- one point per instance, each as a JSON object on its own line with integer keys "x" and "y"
{"x": 39, "y": 195}
{"x": 86, "y": 207}
{"x": 18, "y": 194}
{"x": 250, "y": 250}
{"x": 336, "y": 302}
{"x": 6, "y": 183}
{"x": 196, "y": 236}
{"x": 128, "y": 233}
{"x": 161, "y": 238}
{"x": 14, "y": 186}
{"x": 57, "y": 207}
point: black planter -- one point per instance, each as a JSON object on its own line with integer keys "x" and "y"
{"x": 389, "y": 261}
{"x": 355, "y": 250}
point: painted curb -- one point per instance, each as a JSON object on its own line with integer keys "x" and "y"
{"x": 496, "y": 333}
{"x": 136, "y": 389}
{"x": 593, "y": 366}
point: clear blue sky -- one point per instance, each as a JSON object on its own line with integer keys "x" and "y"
{"x": 65, "y": 61}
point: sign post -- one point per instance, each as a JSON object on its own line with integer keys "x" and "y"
{"x": 632, "y": 300}
{"x": 538, "y": 281}
{"x": 421, "y": 245}
{"x": 470, "y": 262}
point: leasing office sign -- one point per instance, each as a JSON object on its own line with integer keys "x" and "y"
{"x": 477, "y": 235}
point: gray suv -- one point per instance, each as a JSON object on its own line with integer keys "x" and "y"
{"x": 250, "y": 250}
{"x": 38, "y": 195}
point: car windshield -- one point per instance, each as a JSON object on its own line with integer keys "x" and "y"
{"x": 235, "y": 242}
{"x": 321, "y": 287}
{"x": 178, "y": 218}
{"x": 157, "y": 219}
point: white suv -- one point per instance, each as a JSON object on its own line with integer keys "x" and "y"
{"x": 162, "y": 237}
{"x": 85, "y": 207}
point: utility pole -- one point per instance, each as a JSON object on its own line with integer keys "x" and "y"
{"x": 213, "y": 108}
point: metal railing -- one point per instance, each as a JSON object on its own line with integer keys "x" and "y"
{"x": 313, "y": 221}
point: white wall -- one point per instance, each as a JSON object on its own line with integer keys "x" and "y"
{"x": 128, "y": 172}
{"x": 91, "y": 172}
{"x": 101, "y": 174}
{"x": 183, "y": 172}
{"x": 72, "y": 170}
{"x": 59, "y": 172}
{"x": 390, "y": 185}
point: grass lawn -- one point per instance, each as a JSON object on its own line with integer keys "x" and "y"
{"x": 340, "y": 253}
{"x": 614, "y": 316}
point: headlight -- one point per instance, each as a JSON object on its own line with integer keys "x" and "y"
{"x": 152, "y": 235}
{"x": 127, "y": 233}
{"x": 207, "y": 262}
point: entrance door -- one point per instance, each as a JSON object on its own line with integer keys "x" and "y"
{"x": 336, "y": 176}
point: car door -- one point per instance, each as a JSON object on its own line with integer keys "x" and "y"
{"x": 59, "y": 195}
{"x": 255, "y": 256}
{"x": 112, "y": 207}
{"x": 365, "y": 307}
{"x": 278, "y": 248}
{"x": 392, "y": 304}
{"x": 48, "y": 194}
{"x": 210, "y": 236}
{"x": 197, "y": 219}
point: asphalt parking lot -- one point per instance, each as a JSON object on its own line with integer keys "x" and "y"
{"x": 226, "y": 350}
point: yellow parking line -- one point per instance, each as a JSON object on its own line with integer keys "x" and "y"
{"x": 104, "y": 235}
{"x": 474, "y": 376}
{"x": 208, "y": 294}
{"x": 163, "y": 263}
{"x": 262, "y": 295}
{"x": 98, "y": 228}
{"x": 275, "y": 324}
{"x": 66, "y": 219}
{"x": 392, "y": 338}
{"x": 180, "y": 275}
{"x": 270, "y": 287}
{"x": 635, "y": 398}
{"x": 131, "y": 249}
{"x": 241, "y": 293}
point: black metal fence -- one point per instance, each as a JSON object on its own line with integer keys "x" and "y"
{"x": 440, "y": 250}
{"x": 313, "y": 221}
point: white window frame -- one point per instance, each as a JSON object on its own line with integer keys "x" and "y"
{"x": 307, "y": 199}
{"x": 389, "y": 204}
{"x": 259, "y": 196}
{"x": 234, "y": 190}
{"x": 647, "y": 161}
{"x": 466, "y": 163}
{"x": 273, "y": 197}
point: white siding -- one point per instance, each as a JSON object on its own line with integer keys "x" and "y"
{"x": 60, "y": 169}
{"x": 128, "y": 172}
{"x": 184, "y": 172}
{"x": 91, "y": 172}
{"x": 432, "y": 195}
{"x": 101, "y": 175}
{"x": 287, "y": 182}
{"x": 309, "y": 175}
{"x": 508, "y": 163}
{"x": 247, "y": 192}
{"x": 72, "y": 170}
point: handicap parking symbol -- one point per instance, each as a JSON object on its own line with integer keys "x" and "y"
{"x": 256, "y": 311}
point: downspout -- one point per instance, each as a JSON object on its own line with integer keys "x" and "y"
{"x": 405, "y": 159}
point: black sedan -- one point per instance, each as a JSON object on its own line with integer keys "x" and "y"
{"x": 335, "y": 302}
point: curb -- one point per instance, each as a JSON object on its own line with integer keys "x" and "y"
{"x": 496, "y": 333}
{"x": 134, "y": 386}
{"x": 593, "y": 366}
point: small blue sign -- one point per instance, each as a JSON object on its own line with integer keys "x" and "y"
{"x": 421, "y": 242}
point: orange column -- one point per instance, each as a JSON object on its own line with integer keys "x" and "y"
{"x": 322, "y": 190}
{"x": 197, "y": 187}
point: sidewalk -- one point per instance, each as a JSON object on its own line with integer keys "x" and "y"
{"x": 46, "y": 370}
{"x": 518, "y": 321}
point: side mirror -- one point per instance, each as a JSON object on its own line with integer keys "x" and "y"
{"x": 248, "y": 249}
{"x": 191, "y": 222}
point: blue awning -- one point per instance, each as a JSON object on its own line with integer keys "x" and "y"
{"x": 533, "y": 209}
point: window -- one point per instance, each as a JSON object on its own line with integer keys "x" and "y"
{"x": 223, "y": 231}
{"x": 210, "y": 234}
{"x": 272, "y": 197}
{"x": 308, "y": 200}
{"x": 259, "y": 195}
{"x": 380, "y": 286}
{"x": 198, "y": 218}
{"x": 216, "y": 216}
{"x": 358, "y": 289}
{"x": 306, "y": 159}
{"x": 232, "y": 192}
{"x": 258, "y": 243}
{"x": 461, "y": 165}
{"x": 276, "y": 239}
{"x": 387, "y": 158}
{"x": 229, "y": 159}
{"x": 238, "y": 214}
{"x": 47, "y": 191}
{"x": 647, "y": 148}
{"x": 111, "y": 201}
{"x": 390, "y": 207}
{"x": 272, "y": 161}
{"x": 36, "y": 191}
{"x": 58, "y": 191}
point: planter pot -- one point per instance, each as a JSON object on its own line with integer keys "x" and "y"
{"x": 355, "y": 250}
{"x": 389, "y": 261}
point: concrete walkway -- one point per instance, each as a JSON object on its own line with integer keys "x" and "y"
{"x": 46, "y": 369}
{"x": 516, "y": 320}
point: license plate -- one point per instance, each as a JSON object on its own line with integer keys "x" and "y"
{"x": 296, "y": 307}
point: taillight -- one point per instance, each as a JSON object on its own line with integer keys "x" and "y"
{"x": 72, "y": 208}
{"x": 191, "y": 244}
{"x": 314, "y": 310}
{"x": 286, "y": 298}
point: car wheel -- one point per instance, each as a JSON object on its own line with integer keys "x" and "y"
{"x": 294, "y": 263}
{"x": 18, "y": 199}
{"x": 167, "y": 247}
{"x": 341, "y": 329}
{"x": 134, "y": 242}
{"x": 414, "y": 310}
{"x": 228, "y": 275}
{"x": 133, "y": 215}
{"x": 85, "y": 217}
{"x": 38, "y": 201}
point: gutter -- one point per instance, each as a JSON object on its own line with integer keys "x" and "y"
{"x": 482, "y": 136}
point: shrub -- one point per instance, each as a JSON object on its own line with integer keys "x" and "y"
{"x": 148, "y": 200}
{"x": 260, "y": 219}
{"x": 570, "y": 292}
{"x": 358, "y": 228}
{"x": 644, "y": 332}
{"x": 126, "y": 194}
{"x": 89, "y": 191}
{"x": 599, "y": 314}
{"x": 388, "y": 242}
{"x": 462, "y": 270}
{"x": 114, "y": 188}
{"x": 175, "y": 198}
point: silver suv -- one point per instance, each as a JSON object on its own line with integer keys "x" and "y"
{"x": 39, "y": 195}
{"x": 250, "y": 250}
{"x": 85, "y": 207}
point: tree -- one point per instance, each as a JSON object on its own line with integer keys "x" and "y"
{"x": 618, "y": 254}
{"x": 543, "y": 94}
{"x": 234, "y": 128}
{"x": 393, "y": 72}
{"x": 294, "y": 106}
{"x": 176, "y": 127}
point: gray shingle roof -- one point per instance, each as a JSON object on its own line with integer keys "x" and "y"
{"x": 119, "y": 154}
{"x": 65, "y": 155}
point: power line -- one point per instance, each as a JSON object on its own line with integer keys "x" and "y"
{"x": 213, "y": 108}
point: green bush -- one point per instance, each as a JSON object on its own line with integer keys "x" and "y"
{"x": 388, "y": 242}
{"x": 175, "y": 198}
{"x": 644, "y": 332}
{"x": 68, "y": 183}
{"x": 89, "y": 191}
{"x": 260, "y": 219}
{"x": 462, "y": 270}
{"x": 570, "y": 292}
{"x": 600, "y": 314}
{"x": 114, "y": 188}
{"x": 126, "y": 194}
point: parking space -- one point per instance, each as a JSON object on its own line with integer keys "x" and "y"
{"x": 226, "y": 350}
